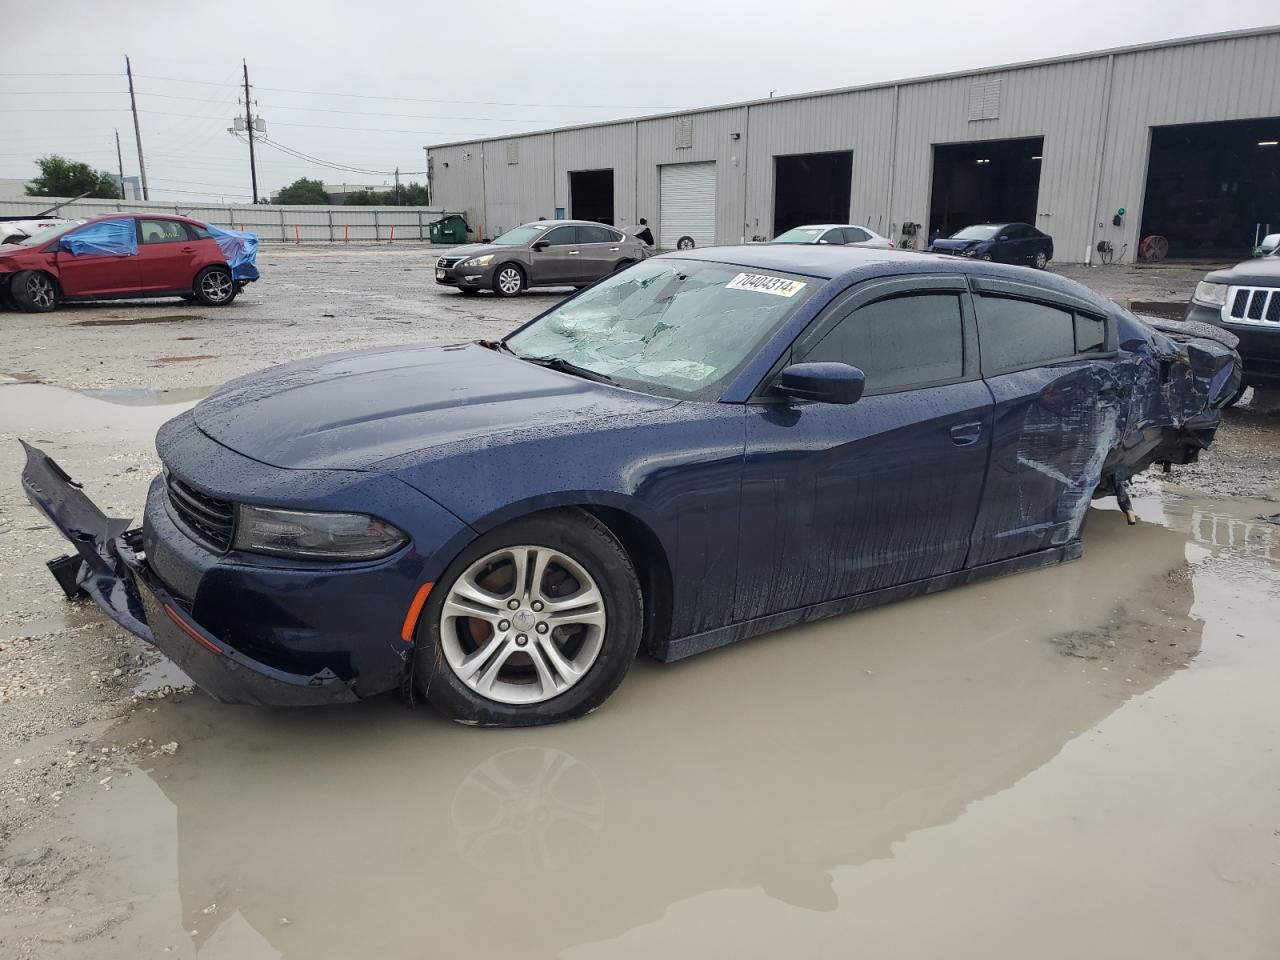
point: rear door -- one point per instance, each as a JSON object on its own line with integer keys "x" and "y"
{"x": 1050, "y": 363}
{"x": 855, "y": 235}
{"x": 840, "y": 500}
{"x": 557, "y": 262}
{"x": 93, "y": 273}
{"x": 599, "y": 248}
{"x": 167, "y": 256}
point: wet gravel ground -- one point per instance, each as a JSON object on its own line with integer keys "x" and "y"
{"x": 92, "y": 383}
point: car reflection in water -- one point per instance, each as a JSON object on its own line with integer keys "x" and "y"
{"x": 383, "y": 831}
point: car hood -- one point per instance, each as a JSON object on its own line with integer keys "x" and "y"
{"x": 352, "y": 411}
{"x": 1262, "y": 272}
{"x": 476, "y": 249}
{"x": 946, "y": 243}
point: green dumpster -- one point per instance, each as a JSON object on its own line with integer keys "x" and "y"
{"x": 449, "y": 229}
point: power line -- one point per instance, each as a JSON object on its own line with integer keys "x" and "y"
{"x": 359, "y": 96}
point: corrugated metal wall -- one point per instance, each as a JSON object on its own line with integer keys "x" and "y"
{"x": 1094, "y": 113}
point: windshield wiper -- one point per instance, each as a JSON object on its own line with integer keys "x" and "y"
{"x": 567, "y": 366}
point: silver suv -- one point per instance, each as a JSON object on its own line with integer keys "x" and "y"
{"x": 548, "y": 253}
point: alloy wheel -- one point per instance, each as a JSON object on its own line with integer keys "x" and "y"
{"x": 509, "y": 280}
{"x": 522, "y": 624}
{"x": 1041, "y": 260}
{"x": 216, "y": 286}
{"x": 40, "y": 290}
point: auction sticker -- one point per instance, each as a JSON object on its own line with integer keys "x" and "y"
{"x": 760, "y": 283}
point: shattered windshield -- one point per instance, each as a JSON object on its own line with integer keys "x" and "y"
{"x": 983, "y": 231}
{"x": 673, "y": 327}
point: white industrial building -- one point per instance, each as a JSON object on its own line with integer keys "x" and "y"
{"x": 1182, "y": 135}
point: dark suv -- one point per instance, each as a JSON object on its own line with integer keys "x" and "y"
{"x": 1245, "y": 299}
{"x": 548, "y": 253}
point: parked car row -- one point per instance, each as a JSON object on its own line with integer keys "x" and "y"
{"x": 127, "y": 255}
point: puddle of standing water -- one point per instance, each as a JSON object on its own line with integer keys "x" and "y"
{"x": 1074, "y": 761}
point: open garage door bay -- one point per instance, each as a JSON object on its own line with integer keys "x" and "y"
{"x": 687, "y": 204}
{"x": 1213, "y": 189}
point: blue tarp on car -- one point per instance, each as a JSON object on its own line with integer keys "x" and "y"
{"x": 241, "y": 250}
{"x": 103, "y": 238}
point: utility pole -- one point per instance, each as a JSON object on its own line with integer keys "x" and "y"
{"x": 137, "y": 132}
{"x": 248, "y": 123}
{"x": 398, "y": 187}
{"x": 120, "y": 162}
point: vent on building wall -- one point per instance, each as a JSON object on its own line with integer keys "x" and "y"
{"x": 684, "y": 133}
{"x": 984, "y": 100}
{"x": 513, "y": 151}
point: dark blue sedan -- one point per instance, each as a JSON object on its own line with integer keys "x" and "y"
{"x": 702, "y": 447}
{"x": 1018, "y": 243}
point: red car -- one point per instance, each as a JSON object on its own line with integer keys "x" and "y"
{"x": 121, "y": 255}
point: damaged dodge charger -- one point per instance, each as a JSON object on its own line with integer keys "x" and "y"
{"x": 705, "y": 446}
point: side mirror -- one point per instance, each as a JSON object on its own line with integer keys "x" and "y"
{"x": 823, "y": 382}
{"x": 540, "y": 246}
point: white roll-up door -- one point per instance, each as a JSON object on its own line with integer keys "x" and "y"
{"x": 688, "y": 204}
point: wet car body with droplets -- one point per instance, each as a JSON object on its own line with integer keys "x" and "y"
{"x": 741, "y": 512}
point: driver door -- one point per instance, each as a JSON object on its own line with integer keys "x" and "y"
{"x": 89, "y": 274}
{"x": 840, "y": 500}
{"x": 558, "y": 262}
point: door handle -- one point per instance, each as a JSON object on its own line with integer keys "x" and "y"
{"x": 966, "y": 434}
{"x": 614, "y": 249}
{"x": 188, "y": 249}
{"x": 573, "y": 253}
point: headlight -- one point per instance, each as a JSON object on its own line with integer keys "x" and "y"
{"x": 480, "y": 261}
{"x": 1210, "y": 294}
{"x": 315, "y": 536}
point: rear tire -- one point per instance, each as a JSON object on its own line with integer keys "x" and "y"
{"x": 33, "y": 291}
{"x": 508, "y": 280}
{"x": 214, "y": 287}
{"x": 1041, "y": 260}
{"x": 540, "y": 675}
{"x": 685, "y": 243}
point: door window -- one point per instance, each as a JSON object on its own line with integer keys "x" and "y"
{"x": 198, "y": 232}
{"x": 833, "y": 236}
{"x": 562, "y": 237}
{"x": 1091, "y": 334}
{"x": 1016, "y": 334}
{"x": 596, "y": 235}
{"x": 902, "y": 342}
{"x": 162, "y": 231}
{"x": 854, "y": 235}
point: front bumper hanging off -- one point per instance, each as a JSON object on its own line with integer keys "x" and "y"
{"x": 109, "y": 567}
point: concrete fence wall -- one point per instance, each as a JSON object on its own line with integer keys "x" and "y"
{"x": 271, "y": 223}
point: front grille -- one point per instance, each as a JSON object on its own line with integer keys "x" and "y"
{"x": 447, "y": 262}
{"x": 206, "y": 519}
{"x": 1260, "y": 305}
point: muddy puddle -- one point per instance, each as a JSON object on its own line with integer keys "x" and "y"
{"x": 1072, "y": 762}
{"x": 33, "y": 408}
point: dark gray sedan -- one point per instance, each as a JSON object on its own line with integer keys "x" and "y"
{"x": 548, "y": 253}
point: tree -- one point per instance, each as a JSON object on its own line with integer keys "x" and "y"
{"x": 60, "y": 177}
{"x": 411, "y": 195}
{"x": 303, "y": 190}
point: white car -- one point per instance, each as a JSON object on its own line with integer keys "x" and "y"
{"x": 15, "y": 231}
{"x": 840, "y": 234}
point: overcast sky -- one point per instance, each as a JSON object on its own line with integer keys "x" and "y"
{"x": 368, "y": 84}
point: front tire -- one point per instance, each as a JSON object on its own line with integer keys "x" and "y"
{"x": 33, "y": 291}
{"x": 685, "y": 243}
{"x": 1041, "y": 260}
{"x": 214, "y": 287}
{"x": 508, "y": 280}
{"x": 535, "y": 622}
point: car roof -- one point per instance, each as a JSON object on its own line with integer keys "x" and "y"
{"x": 865, "y": 263}
{"x": 833, "y": 226}
{"x": 566, "y": 223}
{"x": 144, "y": 216}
